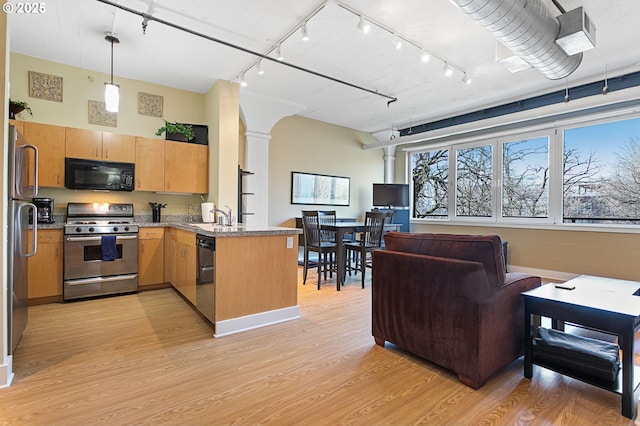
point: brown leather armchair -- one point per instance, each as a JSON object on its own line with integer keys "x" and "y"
{"x": 448, "y": 299}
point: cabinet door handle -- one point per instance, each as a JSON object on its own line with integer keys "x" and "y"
{"x": 106, "y": 153}
{"x": 142, "y": 246}
{"x": 97, "y": 153}
{"x": 57, "y": 252}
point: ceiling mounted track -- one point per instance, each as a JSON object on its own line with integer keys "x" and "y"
{"x": 146, "y": 17}
{"x": 526, "y": 27}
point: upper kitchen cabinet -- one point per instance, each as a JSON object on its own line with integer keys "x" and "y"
{"x": 96, "y": 145}
{"x": 149, "y": 164}
{"x": 186, "y": 167}
{"x": 117, "y": 147}
{"x": 50, "y": 141}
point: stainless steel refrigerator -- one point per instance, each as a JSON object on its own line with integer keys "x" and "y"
{"x": 22, "y": 187}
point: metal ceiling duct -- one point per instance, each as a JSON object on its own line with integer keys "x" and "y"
{"x": 526, "y": 27}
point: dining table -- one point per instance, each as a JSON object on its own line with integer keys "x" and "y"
{"x": 341, "y": 229}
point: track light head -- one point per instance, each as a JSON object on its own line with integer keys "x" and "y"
{"x": 279, "y": 53}
{"x": 466, "y": 79}
{"x": 305, "y": 34}
{"x": 396, "y": 41}
{"x": 259, "y": 69}
{"x": 424, "y": 57}
{"x": 243, "y": 82}
{"x": 363, "y": 25}
{"x": 447, "y": 69}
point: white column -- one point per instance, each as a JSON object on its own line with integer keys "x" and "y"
{"x": 389, "y": 164}
{"x": 257, "y": 162}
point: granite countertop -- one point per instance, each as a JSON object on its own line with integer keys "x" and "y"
{"x": 212, "y": 230}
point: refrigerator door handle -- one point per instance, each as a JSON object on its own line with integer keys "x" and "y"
{"x": 18, "y": 171}
{"x": 34, "y": 236}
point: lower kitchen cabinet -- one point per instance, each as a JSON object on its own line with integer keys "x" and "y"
{"x": 45, "y": 268}
{"x": 180, "y": 265}
{"x": 151, "y": 258}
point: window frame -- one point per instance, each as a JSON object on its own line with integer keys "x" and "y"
{"x": 555, "y": 133}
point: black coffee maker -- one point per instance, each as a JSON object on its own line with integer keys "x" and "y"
{"x": 44, "y": 209}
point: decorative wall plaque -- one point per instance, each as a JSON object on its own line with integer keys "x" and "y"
{"x": 99, "y": 115}
{"x": 45, "y": 86}
{"x": 149, "y": 104}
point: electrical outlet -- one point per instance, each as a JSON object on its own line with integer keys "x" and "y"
{"x": 289, "y": 242}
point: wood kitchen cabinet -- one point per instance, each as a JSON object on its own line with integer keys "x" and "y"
{"x": 186, "y": 167}
{"x": 150, "y": 258}
{"x": 180, "y": 265}
{"x": 170, "y": 255}
{"x": 96, "y": 145}
{"x": 186, "y": 264}
{"x": 149, "y": 164}
{"x": 45, "y": 268}
{"x": 50, "y": 141}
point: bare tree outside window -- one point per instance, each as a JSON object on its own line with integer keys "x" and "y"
{"x": 601, "y": 173}
{"x": 430, "y": 172}
{"x": 474, "y": 177}
{"x": 525, "y": 178}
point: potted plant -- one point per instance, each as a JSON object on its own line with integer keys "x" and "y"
{"x": 16, "y": 107}
{"x": 176, "y": 131}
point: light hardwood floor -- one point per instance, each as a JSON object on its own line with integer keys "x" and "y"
{"x": 149, "y": 359}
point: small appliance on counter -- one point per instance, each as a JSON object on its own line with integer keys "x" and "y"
{"x": 44, "y": 210}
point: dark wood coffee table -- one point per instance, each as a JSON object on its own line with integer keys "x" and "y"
{"x": 604, "y": 304}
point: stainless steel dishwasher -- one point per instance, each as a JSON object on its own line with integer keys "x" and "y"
{"x": 206, "y": 276}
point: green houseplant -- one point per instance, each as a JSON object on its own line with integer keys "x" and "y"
{"x": 176, "y": 131}
{"x": 16, "y": 107}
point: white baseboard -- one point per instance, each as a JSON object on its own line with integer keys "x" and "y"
{"x": 544, "y": 273}
{"x": 249, "y": 322}
{"x": 6, "y": 373}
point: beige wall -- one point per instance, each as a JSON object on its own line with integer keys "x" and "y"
{"x": 304, "y": 145}
{"x": 81, "y": 85}
{"x": 570, "y": 252}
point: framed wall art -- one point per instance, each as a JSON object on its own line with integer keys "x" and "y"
{"x": 326, "y": 190}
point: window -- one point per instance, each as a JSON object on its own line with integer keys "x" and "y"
{"x": 474, "y": 177}
{"x": 525, "y": 178}
{"x": 601, "y": 171}
{"x": 430, "y": 184}
{"x": 587, "y": 174}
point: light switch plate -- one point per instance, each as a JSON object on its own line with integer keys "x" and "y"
{"x": 289, "y": 242}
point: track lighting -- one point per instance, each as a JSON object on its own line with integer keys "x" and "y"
{"x": 259, "y": 68}
{"x": 447, "y": 69}
{"x": 243, "y": 82}
{"x": 605, "y": 89}
{"x": 279, "y": 53}
{"x": 111, "y": 91}
{"x": 363, "y": 25}
{"x": 466, "y": 79}
{"x": 305, "y": 34}
{"x": 424, "y": 57}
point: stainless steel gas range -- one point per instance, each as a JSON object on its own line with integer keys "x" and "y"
{"x": 100, "y": 250}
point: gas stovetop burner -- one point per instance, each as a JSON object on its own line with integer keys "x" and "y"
{"x": 100, "y": 218}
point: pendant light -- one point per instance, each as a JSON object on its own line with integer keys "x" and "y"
{"x": 111, "y": 91}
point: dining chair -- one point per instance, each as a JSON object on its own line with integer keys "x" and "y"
{"x": 315, "y": 240}
{"x": 370, "y": 240}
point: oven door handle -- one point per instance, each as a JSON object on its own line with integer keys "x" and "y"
{"x": 101, "y": 279}
{"x": 118, "y": 237}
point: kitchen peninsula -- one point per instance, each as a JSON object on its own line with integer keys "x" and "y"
{"x": 254, "y": 274}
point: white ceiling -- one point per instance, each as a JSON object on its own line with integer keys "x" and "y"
{"x": 72, "y": 32}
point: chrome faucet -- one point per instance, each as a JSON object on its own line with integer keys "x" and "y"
{"x": 228, "y": 218}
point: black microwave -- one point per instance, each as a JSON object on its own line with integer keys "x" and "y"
{"x": 101, "y": 175}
